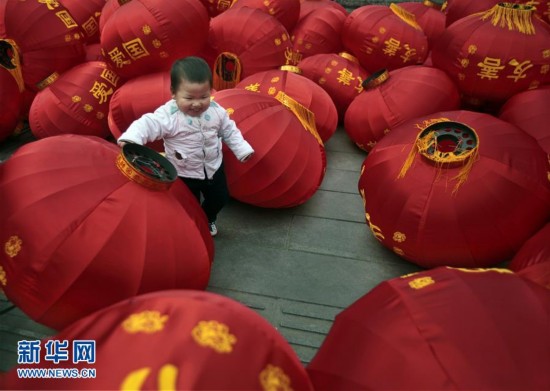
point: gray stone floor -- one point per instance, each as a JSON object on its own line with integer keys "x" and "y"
{"x": 296, "y": 267}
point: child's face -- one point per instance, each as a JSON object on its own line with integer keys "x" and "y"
{"x": 192, "y": 98}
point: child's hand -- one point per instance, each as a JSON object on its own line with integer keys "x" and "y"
{"x": 247, "y": 157}
{"x": 121, "y": 143}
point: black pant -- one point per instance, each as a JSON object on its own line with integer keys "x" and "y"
{"x": 214, "y": 192}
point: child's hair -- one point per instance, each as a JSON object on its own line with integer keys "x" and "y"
{"x": 192, "y": 69}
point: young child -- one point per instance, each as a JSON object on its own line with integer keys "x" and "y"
{"x": 192, "y": 128}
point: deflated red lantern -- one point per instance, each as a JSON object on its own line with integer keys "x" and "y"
{"x": 11, "y": 102}
{"x": 318, "y": 32}
{"x": 174, "y": 340}
{"x": 41, "y": 39}
{"x": 384, "y": 37}
{"x": 387, "y": 102}
{"x": 244, "y": 41}
{"x": 442, "y": 329}
{"x": 528, "y": 110}
{"x": 289, "y": 162}
{"x": 456, "y": 188}
{"x": 429, "y": 17}
{"x": 77, "y": 103}
{"x": 124, "y": 108}
{"x": 84, "y": 225}
{"x": 494, "y": 55}
{"x": 340, "y": 75}
{"x": 144, "y": 36}
{"x": 289, "y": 80}
{"x": 532, "y": 261}
{"x": 285, "y": 11}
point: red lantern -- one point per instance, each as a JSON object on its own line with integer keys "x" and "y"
{"x": 245, "y": 41}
{"x": 532, "y": 261}
{"x": 289, "y": 162}
{"x": 308, "y": 6}
{"x": 306, "y": 92}
{"x": 144, "y": 36}
{"x": 107, "y": 11}
{"x": 175, "y": 340}
{"x": 125, "y": 109}
{"x": 286, "y": 12}
{"x": 443, "y": 329}
{"x": 494, "y": 55}
{"x": 318, "y": 32}
{"x": 340, "y": 75}
{"x": 77, "y": 103}
{"x": 84, "y": 225}
{"x": 455, "y": 188}
{"x": 11, "y": 101}
{"x": 458, "y": 9}
{"x": 528, "y": 110}
{"x": 384, "y": 37}
{"x": 41, "y": 39}
{"x": 386, "y": 101}
{"x": 86, "y": 14}
{"x": 429, "y": 16}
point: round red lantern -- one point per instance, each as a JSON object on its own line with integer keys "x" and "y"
{"x": 429, "y": 16}
{"x": 173, "y": 340}
{"x": 384, "y": 37}
{"x": 458, "y": 9}
{"x": 77, "y": 103}
{"x": 455, "y": 188}
{"x": 11, "y": 101}
{"x": 84, "y": 225}
{"x": 289, "y": 80}
{"x": 286, "y": 12}
{"x": 41, "y": 39}
{"x": 496, "y": 54}
{"x": 86, "y": 14}
{"x": 442, "y": 329}
{"x": 532, "y": 261}
{"x": 245, "y": 41}
{"x": 340, "y": 75}
{"x": 308, "y": 6}
{"x": 144, "y": 36}
{"x": 289, "y": 162}
{"x": 386, "y": 101}
{"x": 529, "y": 111}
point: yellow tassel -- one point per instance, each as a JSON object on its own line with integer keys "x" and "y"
{"x": 405, "y": 16}
{"x": 224, "y": 78}
{"x": 515, "y": 17}
{"x": 306, "y": 116}
{"x": 10, "y": 60}
{"x": 408, "y": 162}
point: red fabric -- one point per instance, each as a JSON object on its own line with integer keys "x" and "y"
{"x": 529, "y": 111}
{"x": 308, "y": 6}
{"x": 288, "y": 164}
{"x": 377, "y": 110}
{"x": 125, "y": 108}
{"x": 88, "y": 236}
{"x": 11, "y": 102}
{"x": 503, "y": 202}
{"x": 486, "y": 74}
{"x": 171, "y": 24}
{"x": 381, "y": 39}
{"x": 459, "y": 330}
{"x": 286, "y": 12}
{"x": 55, "y": 110}
{"x": 253, "y": 356}
{"x": 431, "y": 19}
{"x": 86, "y": 14}
{"x": 458, "y": 9}
{"x": 303, "y": 90}
{"x": 532, "y": 261}
{"x": 338, "y": 75}
{"x": 107, "y": 11}
{"x": 45, "y": 42}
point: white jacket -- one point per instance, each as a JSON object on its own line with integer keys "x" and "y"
{"x": 192, "y": 144}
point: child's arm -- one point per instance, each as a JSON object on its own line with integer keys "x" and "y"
{"x": 233, "y": 137}
{"x": 149, "y": 127}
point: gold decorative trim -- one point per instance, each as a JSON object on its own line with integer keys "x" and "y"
{"x": 514, "y": 17}
{"x": 215, "y": 335}
{"x": 405, "y": 16}
{"x": 349, "y": 56}
{"x": 47, "y": 81}
{"x": 148, "y": 322}
{"x": 134, "y": 175}
{"x": 376, "y": 79}
{"x": 291, "y": 68}
{"x": 13, "y": 246}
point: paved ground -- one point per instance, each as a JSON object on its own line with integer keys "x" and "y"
{"x": 297, "y": 267}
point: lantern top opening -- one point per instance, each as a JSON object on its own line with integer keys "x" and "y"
{"x": 375, "y": 79}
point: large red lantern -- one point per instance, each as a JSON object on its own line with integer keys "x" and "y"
{"x": 496, "y": 54}
{"x": 308, "y": 6}
{"x": 429, "y": 16}
{"x": 286, "y": 12}
{"x": 384, "y": 37}
{"x": 456, "y": 188}
{"x": 532, "y": 261}
{"x": 11, "y": 102}
{"x": 386, "y": 101}
{"x": 442, "y": 329}
{"x": 245, "y": 41}
{"x": 174, "y": 340}
{"x": 41, "y": 39}
{"x": 144, "y": 36}
{"x": 86, "y": 14}
{"x": 77, "y": 103}
{"x": 289, "y": 162}
{"x": 289, "y": 80}
{"x": 340, "y": 75}
{"x": 318, "y": 32}
{"x": 84, "y": 225}
{"x": 529, "y": 111}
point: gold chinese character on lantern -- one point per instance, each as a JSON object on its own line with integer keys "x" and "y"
{"x": 67, "y": 19}
{"x": 135, "y": 49}
{"x": 376, "y": 230}
{"x": 346, "y": 76}
{"x": 253, "y": 87}
{"x": 391, "y": 46}
{"x": 118, "y": 58}
{"x": 110, "y": 76}
{"x": 409, "y": 52}
{"x": 519, "y": 69}
{"x": 490, "y": 68}
{"x": 90, "y": 26}
{"x": 421, "y": 282}
{"x": 50, "y": 4}
{"x": 101, "y": 92}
